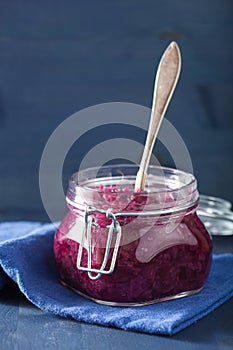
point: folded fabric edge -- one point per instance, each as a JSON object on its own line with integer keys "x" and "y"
{"x": 42, "y": 229}
{"x": 202, "y": 314}
{"x": 82, "y": 318}
{"x": 66, "y": 314}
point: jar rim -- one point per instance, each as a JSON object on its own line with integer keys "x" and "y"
{"x": 167, "y": 190}
{"x": 85, "y": 184}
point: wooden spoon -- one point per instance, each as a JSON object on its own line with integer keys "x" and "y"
{"x": 165, "y": 82}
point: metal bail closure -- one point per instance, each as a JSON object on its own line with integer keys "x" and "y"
{"x": 113, "y": 228}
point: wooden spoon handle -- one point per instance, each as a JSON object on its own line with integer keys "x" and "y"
{"x": 165, "y": 82}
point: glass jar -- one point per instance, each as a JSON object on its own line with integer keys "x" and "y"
{"x": 216, "y": 214}
{"x": 118, "y": 247}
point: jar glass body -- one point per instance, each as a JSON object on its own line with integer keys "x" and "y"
{"x": 163, "y": 251}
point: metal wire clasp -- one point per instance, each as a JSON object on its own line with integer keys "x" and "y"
{"x": 113, "y": 228}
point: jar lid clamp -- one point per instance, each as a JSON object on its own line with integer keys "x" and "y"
{"x": 113, "y": 228}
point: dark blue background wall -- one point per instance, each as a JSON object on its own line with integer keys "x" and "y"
{"x": 57, "y": 57}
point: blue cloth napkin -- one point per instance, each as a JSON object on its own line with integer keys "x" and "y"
{"x": 26, "y": 256}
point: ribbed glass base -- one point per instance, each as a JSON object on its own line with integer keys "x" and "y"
{"x": 129, "y": 304}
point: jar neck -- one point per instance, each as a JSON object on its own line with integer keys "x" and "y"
{"x": 168, "y": 191}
